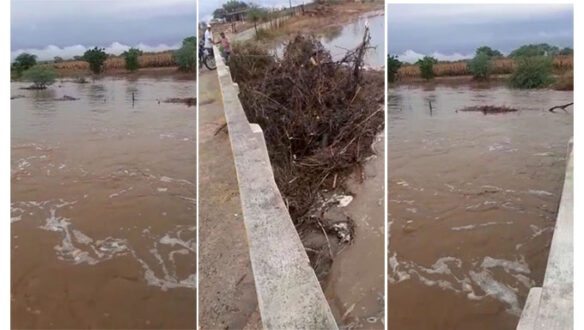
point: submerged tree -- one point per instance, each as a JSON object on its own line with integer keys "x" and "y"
{"x": 480, "y": 66}
{"x": 40, "y": 76}
{"x": 96, "y": 58}
{"x": 426, "y": 65}
{"x": 131, "y": 58}
{"x": 532, "y": 72}
{"x": 186, "y": 56}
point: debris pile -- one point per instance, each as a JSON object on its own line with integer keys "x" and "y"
{"x": 488, "y": 109}
{"x": 189, "y": 101}
{"x": 319, "y": 118}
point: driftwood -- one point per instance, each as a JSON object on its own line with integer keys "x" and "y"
{"x": 563, "y": 107}
{"x": 488, "y": 109}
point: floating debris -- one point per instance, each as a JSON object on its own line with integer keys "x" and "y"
{"x": 190, "y": 101}
{"x": 488, "y": 109}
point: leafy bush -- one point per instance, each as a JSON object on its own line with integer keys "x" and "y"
{"x": 186, "y": 56}
{"x": 393, "y": 65}
{"x": 532, "y": 72}
{"x": 96, "y": 58}
{"x": 22, "y": 63}
{"x": 40, "y": 76}
{"x": 131, "y": 59}
{"x": 426, "y": 65}
{"x": 488, "y": 51}
{"x": 480, "y": 66}
{"x": 535, "y": 50}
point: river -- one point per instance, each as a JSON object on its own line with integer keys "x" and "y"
{"x": 472, "y": 202}
{"x": 103, "y": 205}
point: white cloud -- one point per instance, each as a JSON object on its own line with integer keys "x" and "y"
{"x": 49, "y": 52}
{"x": 410, "y": 56}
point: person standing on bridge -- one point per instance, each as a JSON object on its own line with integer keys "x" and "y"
{"x": 226, "y": 46}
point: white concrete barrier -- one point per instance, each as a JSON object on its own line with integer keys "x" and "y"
{"x": 289, "y": 295}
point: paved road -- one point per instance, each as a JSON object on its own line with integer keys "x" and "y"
{"x": 227, "y": 296}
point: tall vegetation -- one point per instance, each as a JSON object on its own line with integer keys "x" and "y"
{"x": 532, "y": 72}
{"x": 40, "y": 76}
{"x": 488, "y": 51}
{"x": 480, "y": 66}
{"x": 186, "y": 56}
{"x": 426, "y": 65}
{"x": 255, "y": 15}
{"x": 131, "y": 57}
{"x": 22, "y": 63}
{"x": 96, "y": 58}
{"x": 229, "y": 7}
{"x": 393, "y": 65}
{"x": 535, "y": 50}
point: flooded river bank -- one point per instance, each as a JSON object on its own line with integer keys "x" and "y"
{"x": 472, "y": 201}
{"x": 103, "y": 205}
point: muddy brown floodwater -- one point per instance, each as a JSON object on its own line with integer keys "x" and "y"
{"x": 472, "y": 203}
{"x": 103, "y": 205}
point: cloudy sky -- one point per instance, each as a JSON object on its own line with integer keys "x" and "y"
{"x": 66, "y": 28}
{"x": 206, "y": 7}
{"x": 451, "y": 32}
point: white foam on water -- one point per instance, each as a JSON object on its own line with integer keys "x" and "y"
{"x": 497, "y": 290}
{"x": 121, "y": 192}
{"x": 450, "y": 273}
{"x": 480, "y": 225}
{"x": 539, "y": 192}
{"x": 167, "y": 179}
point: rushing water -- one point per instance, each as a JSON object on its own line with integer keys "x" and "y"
{"x": 472, "y": 203}
{"x": 103, "y": 205}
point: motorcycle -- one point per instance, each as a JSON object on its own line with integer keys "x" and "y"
{"x": 206, "y": 57}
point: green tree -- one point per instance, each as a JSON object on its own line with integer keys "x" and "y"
{"x": 393, "y": 65}
{"x": 21, "y": 63}
{"x": 480, "y": 66}
{"x": 234, "y": 5}
{"x": 566, "y": 51}
{"x": 219, "y": 13}
{"x": 535, "y": 50}
{"x": 131, "y": 58}
{"x": 40, "y": 76}
{"x": 96, "y": 58}
{"x": 488, "y": 51}
{"x": 426, "y": 65}
{"x": 186, "y": 56}
{"x": 532, "y": 72}
{"x": 256, "y": 14}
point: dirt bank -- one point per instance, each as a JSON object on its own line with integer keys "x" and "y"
{"x": 318, "y": 20}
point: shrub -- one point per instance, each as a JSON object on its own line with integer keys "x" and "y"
{"x": 535, "y": 50}
{"x": 480, "y": 66}
{"x": 186, "y": 56}
{"x": 393, "y": 65}
{"x": 427, "y": 67}
{"x": 22, "y": 63}
{"x": 131, "y": 59}
{"x": 96, "y": 58}
{"x": 40, "y": 76}
{"x": 532, "y": 72}
{"x": 488, "y": 51}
